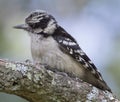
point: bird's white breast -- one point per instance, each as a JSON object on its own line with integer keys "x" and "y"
{"x": 46, "y": 51}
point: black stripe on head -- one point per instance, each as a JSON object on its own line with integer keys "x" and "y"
{"x": 41, "y": 24}
{"x": 39, "y": 19}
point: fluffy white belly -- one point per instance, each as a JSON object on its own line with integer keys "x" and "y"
{"x": 46, "y": 51}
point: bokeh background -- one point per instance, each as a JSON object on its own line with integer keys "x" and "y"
{"x": 94, "y": 23}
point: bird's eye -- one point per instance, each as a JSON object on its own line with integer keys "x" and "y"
{"x": 31, "y": 25}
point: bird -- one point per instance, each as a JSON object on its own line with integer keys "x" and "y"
{"x": 51, "y": 44}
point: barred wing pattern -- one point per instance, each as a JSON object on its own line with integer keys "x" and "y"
{"x": 69, "y": 45}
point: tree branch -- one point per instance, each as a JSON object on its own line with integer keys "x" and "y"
{"x": 44, "y": 85}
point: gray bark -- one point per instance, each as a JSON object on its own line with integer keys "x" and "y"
{"x": 44, "y": 85}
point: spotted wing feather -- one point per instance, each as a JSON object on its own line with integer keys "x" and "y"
{"x": 69, "y": 45}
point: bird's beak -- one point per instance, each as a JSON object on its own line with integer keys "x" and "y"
{"x": 21, "y": 26}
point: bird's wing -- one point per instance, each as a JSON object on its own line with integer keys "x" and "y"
{"x": 69, "y": 45}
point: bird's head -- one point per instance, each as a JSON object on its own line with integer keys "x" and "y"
{"x": 39, "y": 22}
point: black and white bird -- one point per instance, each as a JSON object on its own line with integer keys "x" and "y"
{"x": 52, "y": 45}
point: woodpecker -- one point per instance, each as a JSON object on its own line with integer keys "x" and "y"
{"x": 54, "y": 46}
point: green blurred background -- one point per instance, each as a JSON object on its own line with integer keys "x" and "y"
{"x": 94, "y": 23}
